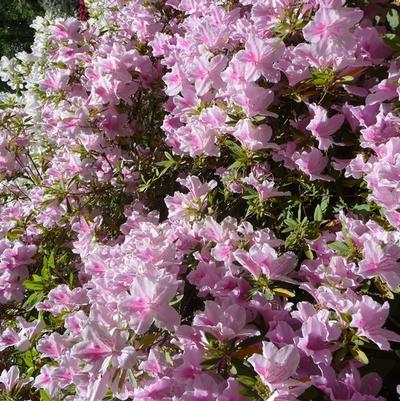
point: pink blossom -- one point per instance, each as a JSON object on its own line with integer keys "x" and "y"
{"x": 266, "y": 189}
{"x": 206, "y": 73}
{"x": 276, "y": 365}
{"x": 10, "y": 379}
{"x": 312, "y": 163}
{"x": 148, "y": 302}
{"x": 223, "y": 321}
{"x": 253, "y": 137}
{"x": 261, "y": 54}
{"x": 263, "y": 259}
{"x": 187, "y": 205}
{"x": 381, "y": 262}
{"x": 322, "y": 127}
{"x": 332, "y": 24}
{"x": 369, "y": 317}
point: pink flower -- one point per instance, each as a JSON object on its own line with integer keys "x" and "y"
{"x": 275, "y": 366}
{"x": 203, "y": 388}
{"x": 46, "y": 380}
{"x": 101, "y": 347}
{"x": 21, "y": 340}
{"x": 266, "y": 189}
{"x": 173, "y": 80}
{"x": 148, "y": 302}
{"x": 332, "y": 24}
{"x": 197, "y": 139}
{"x": 53, "y": 345}
{"x": 232, "y": 391}
{"x": 312, "y": 163}
{"x": 263, "y": 259}
{"x": 10, "y": 378}
{"x": 261, "y": 54}
{"x": 253, "y": 99}
{"x": 188, "y": 205}
{"x": 381, "y": 262}
{"x": 369, "y": 317}
{"x": 62, "y": 298}
{"x": 206, "y": 73}
{"x": 225, "y": 321}
{"x": 323, "y": 127}
{"x": 253, "y": 137}
{"x": 317, "y": 334}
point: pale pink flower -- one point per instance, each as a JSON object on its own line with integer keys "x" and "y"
{"x": 312, "y": 162}
{"x": 332, "y": 24}
{"x": 263, "y": 259}
{"x": 368, "y": 317}
{"x": 253, "y": 137}
{"x": 261, "y": 54}
{"x": 275, "y": 366}
{"x": 322, "y": 127}
{"x": 148, "y": 303}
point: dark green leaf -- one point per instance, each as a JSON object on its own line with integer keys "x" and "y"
{"x": 392, "y": 40}
{"x": 340, "y": 355}
{"x": 250, "y": 341}
{"x": 246, "y": 380}
{"x": 32, "y": 300}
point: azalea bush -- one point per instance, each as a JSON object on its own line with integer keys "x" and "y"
{"x": 200, "y": 200}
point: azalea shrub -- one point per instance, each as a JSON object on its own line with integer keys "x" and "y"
{"x": 200, "y": 200}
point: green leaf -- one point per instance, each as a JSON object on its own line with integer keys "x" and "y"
{"x": 28, "y": 358}
{"x": 237, "y": 150}
{"x": 340, "y": 247}
{"x": 176, "y": 300}
{"x": 340, "y": 355}
{"x": 324, "y": 203}
{"x": 210, "y": 363}
{"x": 169, "y": 156}
{"x": 268, "y": 293}
{"x": 392, "y": 40}
{"x": 168, "y": 358}
{"x": 51, "y": 261}
{"x": 238, "y": 164}
{"x": 358, "y": 341}
{"x": 250, "y": 341}
{"x": 45, "y": 272}
{"x": 362, "y": 209}
{"x": 210, "y": 338}
{"x": 346, "y": 317}
{"x": 258, "y": 119}
{"x": 33, "y": 286}
{"x": 290, "y": 222}
{"x": 32, "y": 300}
{"x": 283, "y": 292}
{"x": 318, "y": 214}
{"x": 246, "y": 381}
{"x": 37, "y": 278}
{"x": 393, "y": 19}
{"x": 383, "y": 288}
{"x": 132, "y": 378}
{"x": 359, "y": 355}
{"x": 346, "y": 78}
{"x": 309, "y": 254}
{"x": 44, "y": 395}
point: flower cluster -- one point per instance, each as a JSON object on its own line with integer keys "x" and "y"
{"x": 200, "y": 201}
